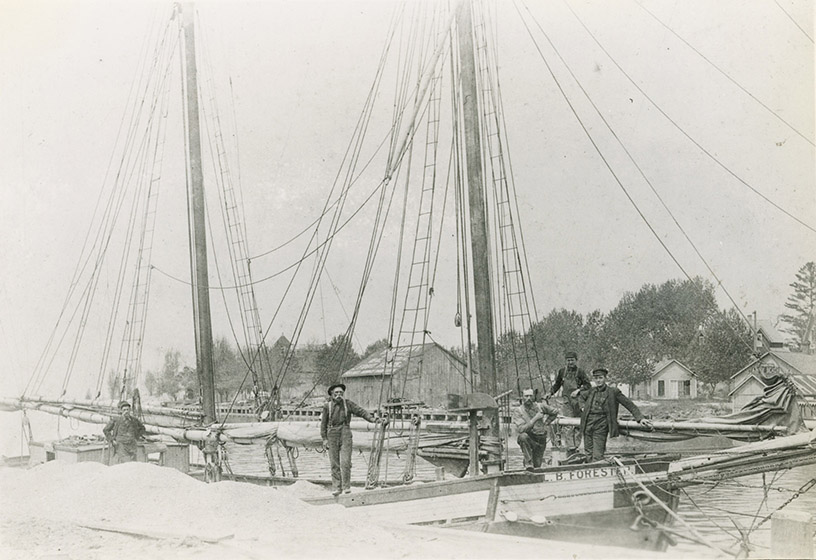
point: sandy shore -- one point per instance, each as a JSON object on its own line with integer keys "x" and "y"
{"x": 72, "y": 511}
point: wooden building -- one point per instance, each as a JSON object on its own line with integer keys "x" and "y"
{"x": 425, "y": 373}
{"x": 800, "y": 368}
{"x": 670, "y": 379}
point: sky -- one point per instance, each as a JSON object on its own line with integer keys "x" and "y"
{"x": 299, "y": 73}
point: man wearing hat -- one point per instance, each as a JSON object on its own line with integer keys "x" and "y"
{"x": 123, "y": 432}
{"x": 599, "y": 418}
{"x": 573, "y": 379}
{"x": 335, "y": 429}
{"x": 531, "y": 426}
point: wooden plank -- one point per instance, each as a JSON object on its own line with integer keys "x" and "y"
{"x": 154, "y": 534}
{"x": 430, "y": 510}
{"x": 408, "y": 493}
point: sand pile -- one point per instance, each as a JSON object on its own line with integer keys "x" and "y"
{"x": 45, "y": 511}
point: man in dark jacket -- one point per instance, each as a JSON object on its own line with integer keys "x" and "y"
{"x": 573, "y": 380}
{"x": 335, "y": 429}
{"x": 123, "y": 432}
{"x": 599, "y": 418}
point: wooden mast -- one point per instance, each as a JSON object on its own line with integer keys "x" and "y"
{"x": 478, "y": 227}
{"x": 478, "y": 241}
{"x": 201, "y": 293}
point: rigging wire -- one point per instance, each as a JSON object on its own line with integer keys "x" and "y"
{"x": 631, "y": 158}
{"x": 103, "y": 240}
{"x": 352, "y": 146}
{"x": 692, "y": 140}
{"x": 646, "y": 179}
{"x": 805, "y": 33}
{"x": 72, "y": 285}
{"x": 592, "y": 140}
{"x": 720, "y": 70}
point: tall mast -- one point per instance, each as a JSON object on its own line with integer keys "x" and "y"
{"x": 201, "y": 292}
{"x": 478, "y": 227}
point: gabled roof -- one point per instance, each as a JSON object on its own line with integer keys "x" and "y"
{"x": 803, "y": 366}
{"x": 744, "y": 381}
{"x": 770, "y": 332}
{"x": 660, "y": 366}
{"x": 398, "y": 359}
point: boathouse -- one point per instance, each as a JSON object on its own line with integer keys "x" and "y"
{"x": 426, "y": 373}
{"x": 670, "y": 379}
{"x": 800, "y": 368}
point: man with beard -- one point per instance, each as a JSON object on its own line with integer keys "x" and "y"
{"x": 532, "y": 428}
{"x": 335, "y": 429}
{"x": 573, "y": 379}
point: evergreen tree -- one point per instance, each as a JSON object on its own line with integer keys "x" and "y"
{"x": 802, "y": 306}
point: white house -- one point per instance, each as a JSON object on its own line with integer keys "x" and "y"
{"x": 670, "y": 379}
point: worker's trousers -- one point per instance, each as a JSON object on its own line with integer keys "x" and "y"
{"x": 340, "y": 456}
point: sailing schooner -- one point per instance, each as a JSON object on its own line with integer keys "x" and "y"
{"x": 484, "y": 500}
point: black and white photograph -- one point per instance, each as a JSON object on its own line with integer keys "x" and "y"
{"x": 429, "y": 279}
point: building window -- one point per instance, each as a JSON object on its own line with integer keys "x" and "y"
{"x": 661, "y": 388}
{"x": 686, "y": 388}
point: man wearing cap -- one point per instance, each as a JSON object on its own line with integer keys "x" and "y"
{"x": 573, "y": 379}
{"x": 335, "y": 429}
{"x": 123, "y": 432}
{"x": 599, "y": 418}
{"x": 532, "y": 428}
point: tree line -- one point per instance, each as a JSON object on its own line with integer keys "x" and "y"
{"x": 678, "y": 319}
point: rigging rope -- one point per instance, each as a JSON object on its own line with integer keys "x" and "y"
{"x": 609, "y": 167}
{"x": 720, "y": 70}
{"x": 651, "y": 185}
{"x": 696, "y": 143}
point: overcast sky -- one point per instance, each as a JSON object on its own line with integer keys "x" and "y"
{"x": 300, "y": 72}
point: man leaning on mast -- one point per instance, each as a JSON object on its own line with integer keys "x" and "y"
{"x": 573, "y": 379}
{"x": 335, "y": 429}
{"x": 599, "y": 418}
{"x": 123, "y": 432}
{"x": 532, "y": 428}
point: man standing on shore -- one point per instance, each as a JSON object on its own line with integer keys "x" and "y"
{"x": 532, "y": 429}
{"x": 599, "y": 419}
{"x": 123, "y": 432}
{"x": 573, "y": 379}
{"x": 335, "y": 429}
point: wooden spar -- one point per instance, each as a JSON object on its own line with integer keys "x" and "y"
{"x": 478, "y": 227}
{"x": 704, "y": 428}
{"x": 198, "y": 252}
{"x": 242, "y": 433}
{"x": 778, "y": 444}
{"x": 113, "y": 405}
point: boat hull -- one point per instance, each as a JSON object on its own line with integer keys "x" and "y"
{"x": 593, "y": 504}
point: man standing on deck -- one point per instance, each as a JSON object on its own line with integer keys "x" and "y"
{"x": 599, "y": 418}
{"x": 123, "y": 432}
{"x": 532, "y": 429}
{"x": 335, "y": 429}
{"x": 573, "y": 379}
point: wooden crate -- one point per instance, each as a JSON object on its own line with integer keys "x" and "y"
{"x": 173, "y": 455}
